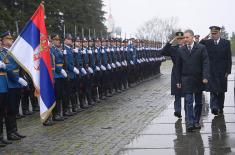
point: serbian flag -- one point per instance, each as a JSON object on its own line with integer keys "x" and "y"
{"x": 32, "y": 53}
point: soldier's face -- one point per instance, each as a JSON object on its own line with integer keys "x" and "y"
{"x": 56, "y": 42}
{"x": 78, "y": 44}
{"x": 180, "y": 41}
{"x": 85, "y": 43}
{"x": 7, "y": 41}
{"x": 188, "y": 38}
{"x": 215, "y": 36}
{"x": 68, "y": 41}
{"x": 197, "y": 39}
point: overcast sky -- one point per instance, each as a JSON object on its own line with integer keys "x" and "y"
{"x": 197, "y": 15}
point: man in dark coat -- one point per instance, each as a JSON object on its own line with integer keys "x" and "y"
{"x": 192, "y": 73}
{"x": 171, "y": 49}
{"x": 219, "y": 52}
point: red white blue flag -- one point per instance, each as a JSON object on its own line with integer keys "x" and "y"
{"x": 31, "y": 51}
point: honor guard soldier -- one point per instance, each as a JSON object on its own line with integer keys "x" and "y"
{"x": 60, "y": 76}
{"x": 15, "y": 83}
{"x": 96, "y": 52}
{"x": 87, "y": 54}
{"x": 83, "y": 73}
{"x": 219, "y": 51}
{"x": 3, "y": 98}
{"x": 72, "y": 71}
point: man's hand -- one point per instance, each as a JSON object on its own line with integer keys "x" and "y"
{"x": 205, "y": 81}
{"x": 207, "y": 37}
{"x": 173, "y": 40}
{"x": 178, "y": 85}
{"x": 2, "y": 65}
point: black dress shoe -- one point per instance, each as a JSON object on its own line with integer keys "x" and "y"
{"x": 58, "y": 118}
{"x": 214, "y": 111}
{"x": 2, "y": 144}
{"x": 4, "y": 141}
{"x": 19, "y": 135}
{"x": 197, "y": 126}
{"x": 36, "y": 109}
{"x": 48, "y": 123}
{"x": 190, "y": 129}
{"x": 68, "y": 114}
{"x": 83, "y": 107}
{"x": 13, "y": 136}
{"x": 177, "y": 114}
{"x": 27, "y": 112}
{"x": 221, "y": 111}
{"x": 18, "y": 116}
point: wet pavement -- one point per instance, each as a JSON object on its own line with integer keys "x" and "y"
{"x": 101, "y": 130}
{"x": 138, "y": 121}
{"x": 167, "y": 135}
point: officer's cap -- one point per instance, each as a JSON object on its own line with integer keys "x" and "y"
{"x": 78, "y": 39}
{"x": 179, "y": 34}
{"x": 197, "y": 36}
{"x": 5, "y": 34}
{"x": 215, "y": 29}
{"x": 68, "y": 36}
{"x": 55, "y": 36}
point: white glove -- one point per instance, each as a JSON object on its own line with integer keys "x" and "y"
{"x": 90, "y": 70}
{"x": 83, "y": 51}
{"x": 75, "y": 70}
{"x": 22, "y": 82}
{"x": 103, "y": 68}
{"x": 123, "y": 63}
{"x": 97, "y": 68}
{"x": 83, "y": 71}
{"x": 65, "y": 52}
{"x": 109, "y": 67}
{"x": 113, "y": 65}
{"x": 118, "y": 64}
{"x": 63, "y": 73}
{"x": 89, "y": 51}
{"x": 131, "y": 62}
{"x": 75, "y": 50}
{"x": 2, "y": 65}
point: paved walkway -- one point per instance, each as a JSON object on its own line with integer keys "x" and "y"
{"x": 102, "y": 129}
{"x": 166, "y": 135}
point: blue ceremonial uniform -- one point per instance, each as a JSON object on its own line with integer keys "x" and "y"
{"x": 57, "y": 65}
{"x": 3, "y": 78}
{"x": 12, "y": 71}
{"x": 70, "y": 62}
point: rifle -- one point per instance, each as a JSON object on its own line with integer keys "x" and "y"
{"x": 63, "y": 48}
{"x": 75, "y": 55}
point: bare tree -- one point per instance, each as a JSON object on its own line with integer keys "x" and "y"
{"x": 158, "y": 29}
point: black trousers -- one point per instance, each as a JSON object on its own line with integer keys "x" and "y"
{"x": 3, "y": 101}
{"x": 217, "y": 100}
{"x": 13, "y": 101}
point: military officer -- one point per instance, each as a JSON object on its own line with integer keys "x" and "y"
{"x": 197, "y": 38}
{"x": 171, "y": 49}
{"x": 219, "y": 51}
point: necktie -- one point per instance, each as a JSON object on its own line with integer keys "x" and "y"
{"x": 189, "y": 48}
{"x": 215, "y": 42}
